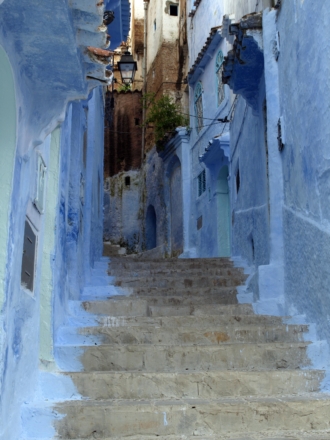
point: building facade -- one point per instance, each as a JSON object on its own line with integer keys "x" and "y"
{"x": 53, "y": 58}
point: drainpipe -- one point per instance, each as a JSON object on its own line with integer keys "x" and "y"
{"x": 144, "y": 70}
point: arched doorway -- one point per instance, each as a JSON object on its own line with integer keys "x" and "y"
{"x": 223, "y": 213}
{"x": 176, "y": 209}
{"x": 151, "y": 228}
{"x": 7, "y": 148}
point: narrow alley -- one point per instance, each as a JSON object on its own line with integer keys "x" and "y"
{"x": 164, "y": 219}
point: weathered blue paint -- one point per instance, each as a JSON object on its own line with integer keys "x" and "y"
{"x": 42, "y": 86}
{"x": 119, "y": 28}
{"x": 151, "y": 228}
{"x": 304, "y": 88}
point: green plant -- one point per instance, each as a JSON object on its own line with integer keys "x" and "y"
{"x": 165, "y": 116}
{"x": 125, "y": 88}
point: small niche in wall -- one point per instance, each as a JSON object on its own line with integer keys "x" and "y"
{"x": 238, "y": 180}
{"x": 127, "y": 181}
{"x": 199, "y": 223}
{"x": 39, "y": 200}
{"x": 28, "y": 257}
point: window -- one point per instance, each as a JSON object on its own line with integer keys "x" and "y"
{"x": 127, "y": 181}
{"x": 198, "y": 99}
{"x": 218, "y": 70}
{"x": 155, "y": 25}
{"x": 174, "y": 10}
{"x": 201, "y": 183}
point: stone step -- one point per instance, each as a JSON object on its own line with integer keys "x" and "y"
{"x": 176, "y": 263}
{"x": 169, "y": 358}
{"x": 176, "y": 291}
{"x": 175, "y": 272}
{"x": 110, "y": 250}
{"x": 180, "y": 282}
{"x": 193, "y": 310}
{"x": 140, "y": 306}
{"x": 272, "y": 435}
{"x": 230, "y": 315}
{"x": 227, "y": 416}
{"x": 131, "y": 308}
{"x": 180, "y": 336}
{"x": 198, "y": 385}
{"x": 189, "y": 300}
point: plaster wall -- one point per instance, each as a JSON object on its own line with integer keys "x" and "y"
{"x": 176, "y": 206}
{"x": 250, "y": 208}
{"x": 170, "y": 22}
{"x": 46, "y": 278}
{"x": 304, "y": 95}
{"x": 154, "y": 36}
{"x": 122, "y": 210}
{"x": 242, "y": 7}
{"x": 30, "y": 319}
{"x": 8, "y": 148}
{"x": 209, "y": 14}
{"x": 211, "y": 110}
{"x": 25, "y": 38}
{"x": 204, "y": 236}
{"x": 20, "y": 348}
{"x": 154, "y": 194}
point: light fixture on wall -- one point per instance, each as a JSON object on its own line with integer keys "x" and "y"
{"x": 127, "y": 68}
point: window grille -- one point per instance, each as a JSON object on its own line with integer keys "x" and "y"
{"x": 28, "y": 257}
{"x": 199, "y": 106}
{"x": 201, "y": 183}
{"x": 218, "y": 70}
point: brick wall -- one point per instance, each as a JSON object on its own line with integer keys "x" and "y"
{"x": 165, "y": 76}
{"x": 123, "y": 136}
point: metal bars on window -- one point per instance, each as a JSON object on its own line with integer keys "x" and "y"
{"x": 218, "y": 70}
{"x": 201, "y": 183}
{"x": 198, "y": 99}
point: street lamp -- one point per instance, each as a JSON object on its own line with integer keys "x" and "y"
{"x": 127, "y": 68}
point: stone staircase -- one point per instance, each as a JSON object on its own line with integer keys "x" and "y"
{"x": 179, "y": 358}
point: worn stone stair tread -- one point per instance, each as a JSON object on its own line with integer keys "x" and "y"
{"x": 142, "y": 309}
{"x": 190, "y": 416}
{"x": 183, "y": 403}
{"x": 210, "y": 335}
{"x": 132, "y": 306}
{"x": 143, "y": 290}
{"x": 176, "y": 271}
{"x": 176, "y": 261}
{"x": 212, "y": 384}
{"x": 274, "y": 435}
{"x": 160, "y": 301}
{"x": 181, "y": 281}
{"x": 132, "y": 303}
{"x": 145, "y": 357}
{"x": 189, "y": 321}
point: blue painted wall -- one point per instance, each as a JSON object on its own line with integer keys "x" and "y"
{"x": 204, "y": 237}
{"x": 304, "y": 83}
{"x": 43, "y": 87}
